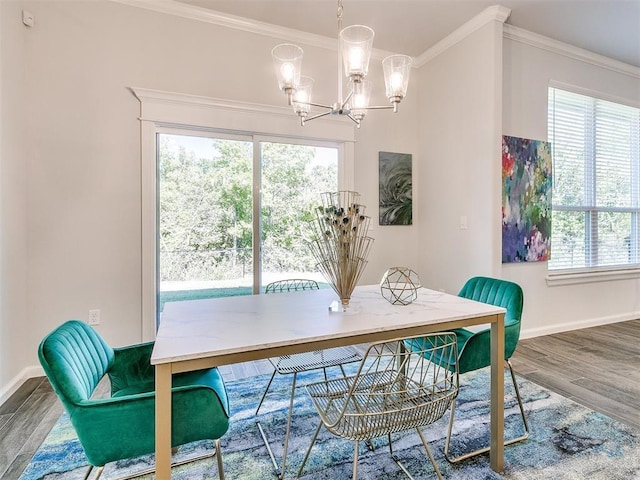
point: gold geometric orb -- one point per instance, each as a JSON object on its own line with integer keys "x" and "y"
{"x": 399, "y": 285}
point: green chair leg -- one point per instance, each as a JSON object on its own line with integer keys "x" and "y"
{"x": 486, "y": 449}
{"x": 147, "y": 471}
{"x": 98, "y": 472}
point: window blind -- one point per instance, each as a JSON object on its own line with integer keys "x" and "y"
{"x": 596, "y": 174}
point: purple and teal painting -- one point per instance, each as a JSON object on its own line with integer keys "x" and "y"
{"x": 526, "y": 200}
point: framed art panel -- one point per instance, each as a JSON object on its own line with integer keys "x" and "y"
{"x": 395, "y": 188}
{"x": 526, "y": 200}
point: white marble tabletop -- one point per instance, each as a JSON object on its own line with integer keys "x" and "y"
{"x": 220, "y": 326}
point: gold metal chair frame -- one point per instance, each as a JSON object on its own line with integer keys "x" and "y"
{"x": 291, "y": 285}
{"x": 394, "y": 390}
{"x": 298, "y": 363}
{"x": 147, "y": 471}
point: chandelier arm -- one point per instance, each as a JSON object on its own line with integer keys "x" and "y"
{"x": 379, "y": 107}
{"x": 344, "y": 102}
{"x": 317, "y": 116}
{"x": 321, "y": 105}
{"x": 355, "y": 120}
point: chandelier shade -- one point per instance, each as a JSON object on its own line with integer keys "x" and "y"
{"x": 361, "y": 94}
{"x": 397, "y": 69}
{"x": 354, "y": 52}
{"x": 356, "y": 43}
{"x": 302, "y": 97}
{"x": 287, "y": 61}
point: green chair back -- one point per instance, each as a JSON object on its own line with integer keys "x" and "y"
{"x": 474, "y": 348}
{"x": 75, "y": 358}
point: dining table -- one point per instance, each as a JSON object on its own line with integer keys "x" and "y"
{"x": 206, "y": 333}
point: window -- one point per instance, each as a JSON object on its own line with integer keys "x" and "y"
{"x": 596, "y": 178}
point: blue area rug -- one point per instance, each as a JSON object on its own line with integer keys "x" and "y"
{"x": 568, "y": 441}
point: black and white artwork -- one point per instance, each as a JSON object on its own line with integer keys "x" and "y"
{"x": 396, "y": 200}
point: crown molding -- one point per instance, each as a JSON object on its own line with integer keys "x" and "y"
{"x": 192, "y": 12}
{"x": 177, "y": 110}
{"x": 172, "y": 98}
{"x": 490, "y": 14}
{"x": 555, "y": 46}
{"x": 493, "y": 13}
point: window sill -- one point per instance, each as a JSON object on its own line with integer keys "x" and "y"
{"x": 572, "y": 277}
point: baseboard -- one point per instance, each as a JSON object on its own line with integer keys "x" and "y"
{"x": 17, "y": 381}
{"x": 566, "y": 327}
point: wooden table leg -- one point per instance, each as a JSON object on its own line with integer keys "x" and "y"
{"x": 163, "y": 421}
{"x": 496, "y": 456}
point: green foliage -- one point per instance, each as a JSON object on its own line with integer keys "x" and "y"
{"x": 206, "y": 207}
{"x": 611, "y": 185}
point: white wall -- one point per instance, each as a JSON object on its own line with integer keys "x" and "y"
{"x": 14, "y": 324}
{"x": 459, "y": 138}
{"x": 528, "y": 70}
{"x": 394, "y": 245}
{"x": 74, "y": 215}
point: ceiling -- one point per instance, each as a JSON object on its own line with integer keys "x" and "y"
{"x": 607, "y": 27}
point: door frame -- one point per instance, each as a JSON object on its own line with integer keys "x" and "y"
{"x": 163, "y": 111}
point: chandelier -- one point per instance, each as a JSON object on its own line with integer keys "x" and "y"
{"x": 354, "y": 52}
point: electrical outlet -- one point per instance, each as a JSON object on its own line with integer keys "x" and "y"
{"x": 94, "y": 317}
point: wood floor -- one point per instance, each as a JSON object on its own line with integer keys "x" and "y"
{"x": 598, "y": 367}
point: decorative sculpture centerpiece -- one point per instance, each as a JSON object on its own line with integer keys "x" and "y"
{"x": 339, "y": 241}
{"x": 399, "y": 285}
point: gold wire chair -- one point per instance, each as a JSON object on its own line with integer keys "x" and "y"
{"x": 297, "y": 363}
{"x": 394, "y": 390}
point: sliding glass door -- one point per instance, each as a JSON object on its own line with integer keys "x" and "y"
{"x": 232, "y": 212}
{"x": 293, "y": 176}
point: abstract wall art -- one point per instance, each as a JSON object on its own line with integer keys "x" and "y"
{"x": 395, "y": 188}
{"x": 526, "y": 200}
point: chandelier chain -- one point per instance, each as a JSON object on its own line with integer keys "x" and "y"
{"x": 340, "y": 9}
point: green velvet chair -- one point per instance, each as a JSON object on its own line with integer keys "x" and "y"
{"x": 75, "y": 358}
{"x": 474, "y": 347}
